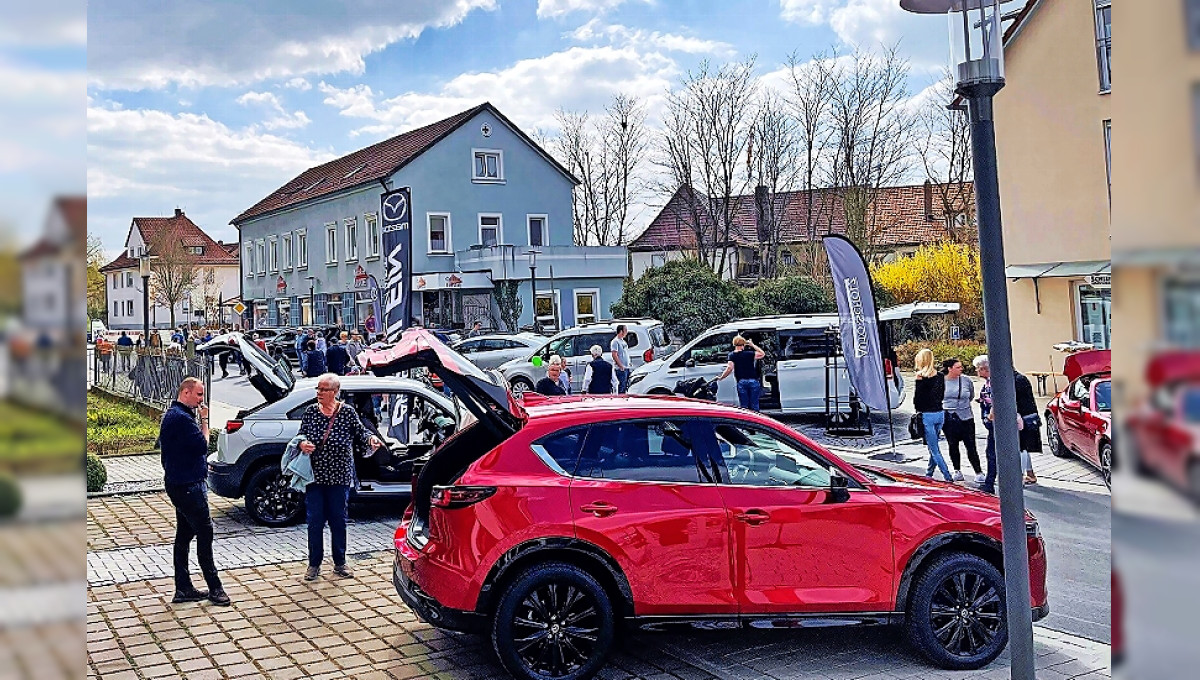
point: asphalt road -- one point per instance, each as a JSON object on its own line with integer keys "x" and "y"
{"x": 1076, "y": 526}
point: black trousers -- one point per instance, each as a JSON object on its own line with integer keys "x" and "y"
{"x": 193, "y": 521}
{"x": 961, "y": 431}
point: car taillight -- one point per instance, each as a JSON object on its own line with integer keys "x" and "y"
{"x": 648, "y": 355}
{"x": 887, "y": 367}
{"x": 453, "y": 497}
{"x": 232, "y": 426}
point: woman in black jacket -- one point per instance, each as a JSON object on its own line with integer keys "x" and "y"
{"x": 928, "y": 392}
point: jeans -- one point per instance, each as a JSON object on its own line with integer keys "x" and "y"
{"x": 193, "y": 521}
{"x": 989, "y": 483}
{"x": 326, "y": 503}
{"x": 622, "y": 380}
{"x": 749, "y": 391}
{"x": 933, "y": 428}
{"x": 961, "y": 431}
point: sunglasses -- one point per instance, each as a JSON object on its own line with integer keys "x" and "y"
{"x": 327, "y": 389}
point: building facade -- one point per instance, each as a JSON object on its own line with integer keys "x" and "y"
{"x": 173, "y": 239}
{"x": 53, "y": 276}
{"x": 1053, "y": 125}
{"x": 488, "y": 206}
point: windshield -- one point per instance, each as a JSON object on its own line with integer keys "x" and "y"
{"x": 1190, "y": 405}
{"x": 1104, "y": 396}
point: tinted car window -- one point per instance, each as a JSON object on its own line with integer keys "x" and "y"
{"x": 562, "y": 448}
{"x": 658, "y": 337}
{"x": 713, "y": 349}
{"x": 469, "y": 347}
{"x": 649, "y": 451}
{"x": 1104, "y": 395}
{"x": 631, "y": 337}
{"x": 584, "y": 342}
{"x": 1191, "y": 405}
{"x": 806, "y": 343}
{"x": 755, "y": 457}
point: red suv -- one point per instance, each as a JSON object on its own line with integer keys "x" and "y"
{"x": 549, "y": 524}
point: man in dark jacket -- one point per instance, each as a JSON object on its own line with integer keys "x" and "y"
{"x": 599, "y": 376}
{"x": 314, "y": 360}
{"x": 337, "y": 357}
{"x": 184, "y": 449}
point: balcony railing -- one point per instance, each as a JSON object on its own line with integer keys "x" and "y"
{"x": 507, "y": 262}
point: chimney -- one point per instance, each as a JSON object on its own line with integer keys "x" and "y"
{"x": 178, "y": 212}
{"x": 762, "y": 224}
{"x": 929, "y": 201}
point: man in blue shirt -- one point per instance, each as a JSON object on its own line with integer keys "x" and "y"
{"x": 184, "y": 448}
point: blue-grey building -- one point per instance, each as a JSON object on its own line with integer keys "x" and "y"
{"x": 488, "y": 204}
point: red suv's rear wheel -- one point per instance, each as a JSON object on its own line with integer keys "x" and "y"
{"x": 553, "y": 621}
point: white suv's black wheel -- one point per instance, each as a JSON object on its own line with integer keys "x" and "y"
{"x": 270, "y": 500}
{"x": 553, "y": 621}
{"x": 955, "y": 616}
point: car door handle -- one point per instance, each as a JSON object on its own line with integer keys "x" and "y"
{"x": 753, "y": 517}
{"x": 599, "y": 508}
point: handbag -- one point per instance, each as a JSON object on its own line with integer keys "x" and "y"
{"x": 916, "y": 426}
{"x": 1032, "y": 420}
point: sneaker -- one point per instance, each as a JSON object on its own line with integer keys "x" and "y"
{"x": 343, "y": 571}
{"x": 980, "y": 478}
{"x": 312, "y": 573}
{"x": 219, "y": 598}
{"x": 192, "y": 595}
{"x": 958, "y": 476}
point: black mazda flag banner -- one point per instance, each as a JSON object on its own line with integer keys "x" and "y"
{"x": 859, "y": 322}
{"x": 396, "y": 209}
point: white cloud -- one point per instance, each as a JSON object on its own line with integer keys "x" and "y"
{"x": 595, "y": 32}
{"x": 47, "y": 23}
{"x": 529, "y": 91}
{"x": 134, "y": 46}
{"x": 805, "y": 11}
{"x": 146, "y": 162}
{"x": 301, "y": 84}
{"x": 280, "y": 119}
{"x": 558, "y": 8}
{"x": 876, "y": 22}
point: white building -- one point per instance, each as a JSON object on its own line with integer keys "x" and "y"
{"x": 52, "y": 273}
{"x": 216, "y": 279}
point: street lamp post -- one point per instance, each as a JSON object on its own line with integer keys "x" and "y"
{"x": 977, "y": 50}
{"x": 144, "y": 270}
{"x": 533, "y": 253}
{"x": 312, "y": 299}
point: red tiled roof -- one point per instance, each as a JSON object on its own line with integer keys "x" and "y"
{"x": 373, "y": 163}
{"x": 180, "y": 227}
{"x": 42, "y": 248}
{"x": 74, "y": 212}
{"x": 899, "y": 218}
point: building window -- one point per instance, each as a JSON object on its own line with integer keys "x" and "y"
{"x": 547, "y": 310}
{"x": 210, "y": 276}
{"x": 1104, "y": 43}
{"x": 116, "y": 309}
{"x": 193, "y": 250}
{"x": 351, "y": 239}
{"x": 302, "y": 249}
{"x": 273, "y": 254}
{"x": 287, "y": 252}
{"x": 536, "y": 225}
{"x": 1192, "y": 24}
{"x": 129, "y": 279}
{"x": 439, "y": 233}
{"x": 1095, "y": 315}
{"x": 1108, "y": 158}
{"x": 331, "y": 243}
{"x": 1181, "y": 298}
{"x": 490, "y": 230}
{"x": 248, "y": 259}
{"x": 488, "y": 165}
{"x": 262, "y": 257}
{"x": 587, "y": 301}
{"x": 372, "y": 222}
{"x": 113, "y": 281}
{"x": 129, "y": 308}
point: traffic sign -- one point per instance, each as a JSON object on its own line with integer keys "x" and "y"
{"x": 239, "y": 308}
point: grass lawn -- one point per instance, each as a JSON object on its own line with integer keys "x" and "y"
{"x": 33, "y": 441}
{"x": 116, "y": 427}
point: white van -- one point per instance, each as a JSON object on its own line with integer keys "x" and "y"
{"x": 794, "y": 371}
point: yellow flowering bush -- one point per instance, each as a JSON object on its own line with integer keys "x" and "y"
{"x": 947, "y": 272}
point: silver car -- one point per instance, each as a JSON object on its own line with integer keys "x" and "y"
{"x": 410, "y": 417}
{"x": 489, "y": 351}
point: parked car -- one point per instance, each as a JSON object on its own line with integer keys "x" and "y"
{"x": 282, "y": 345}
{"x": 548, "y": 524}
{"x": 647, "y": 340}
{"x": 794, "y": 374}
{"x": 1165, "y": 431}
{"x": 1079, "y": 419}
{"x": 490, "y": 351}
{"x": 410, "y": 416}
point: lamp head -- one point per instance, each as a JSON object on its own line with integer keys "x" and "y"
{"x": 976, "y": 37}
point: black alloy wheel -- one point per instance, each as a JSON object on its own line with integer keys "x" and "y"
{"x": 270, "y": 500}
{"x": 555, "y": 621}
{"x": 956, "y": 616}
{"x": 1106, "y": 462}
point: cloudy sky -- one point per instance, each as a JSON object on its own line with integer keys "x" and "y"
{"x": 210, "y": 106}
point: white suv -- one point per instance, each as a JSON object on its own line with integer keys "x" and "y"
{"x": 410, "y": 417}
{"x": 794, "y": 375}
{"x": 647, "y": 340}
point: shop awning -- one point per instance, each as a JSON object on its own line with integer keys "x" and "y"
{"x": 1157, "y": 258}
{"x": 1057, "y": 269}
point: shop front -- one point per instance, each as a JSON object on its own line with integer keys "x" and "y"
{"x": 454, "y": 299}
{"x": 1057, "y": 302}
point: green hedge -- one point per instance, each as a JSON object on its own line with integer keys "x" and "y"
{"x": 33, "y": 441}
{"x": 97, "y": 474}
{"x": 962, "y": 350}
{"x": 10, "y": 495}
{"x": 115, "y": 426}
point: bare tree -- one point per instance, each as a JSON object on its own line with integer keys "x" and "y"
{"x": 944, "y": 148}
{"x": 606, "y": 154}
{"x": 872, "y": 133}
{"x": 174, "y": 271}
{"x": 707, "y": 133}
{"x": 812, "y": 84}
{"x": 774, "y": 160}
{"x": 97, "y": 296}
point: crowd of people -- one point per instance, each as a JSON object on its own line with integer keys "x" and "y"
{"x": 338, "y": 355}
{"x": 600, "y": 375}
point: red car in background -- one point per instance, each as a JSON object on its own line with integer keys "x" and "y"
{"x": 1165, "y": 432}
{"x": 548, "y": 525}
{"x": 1079, "y": 419}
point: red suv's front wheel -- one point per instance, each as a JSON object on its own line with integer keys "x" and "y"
{"x": 553, "y": 621}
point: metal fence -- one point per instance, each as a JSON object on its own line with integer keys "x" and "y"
{"x": 149, "y": 376}
{"x": 46, "y": 379}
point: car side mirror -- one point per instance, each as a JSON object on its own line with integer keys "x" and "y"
{"x": 839, "y": 489}
{"x": 690, "y": 363}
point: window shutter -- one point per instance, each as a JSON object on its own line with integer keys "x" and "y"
{"x": 348, "y": 319}
{"x": 320, "y": 312}
{"x": 294, "y": 312}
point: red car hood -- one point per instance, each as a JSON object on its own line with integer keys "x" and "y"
{"x": 1088, "y": 363}
{"x": 1170, "y": 367}
{"x": 962, "y": 494}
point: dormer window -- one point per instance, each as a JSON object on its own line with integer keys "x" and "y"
{"x": 195, "y": 250}
{"x": 488, "y": 166}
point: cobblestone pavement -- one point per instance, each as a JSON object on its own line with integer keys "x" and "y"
{"x": 149, "y": 518}
{"x": 139, "y": 468}
{"x": 282, "y": 627}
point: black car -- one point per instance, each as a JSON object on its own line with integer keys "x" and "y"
{"x": 283, "y": 344}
